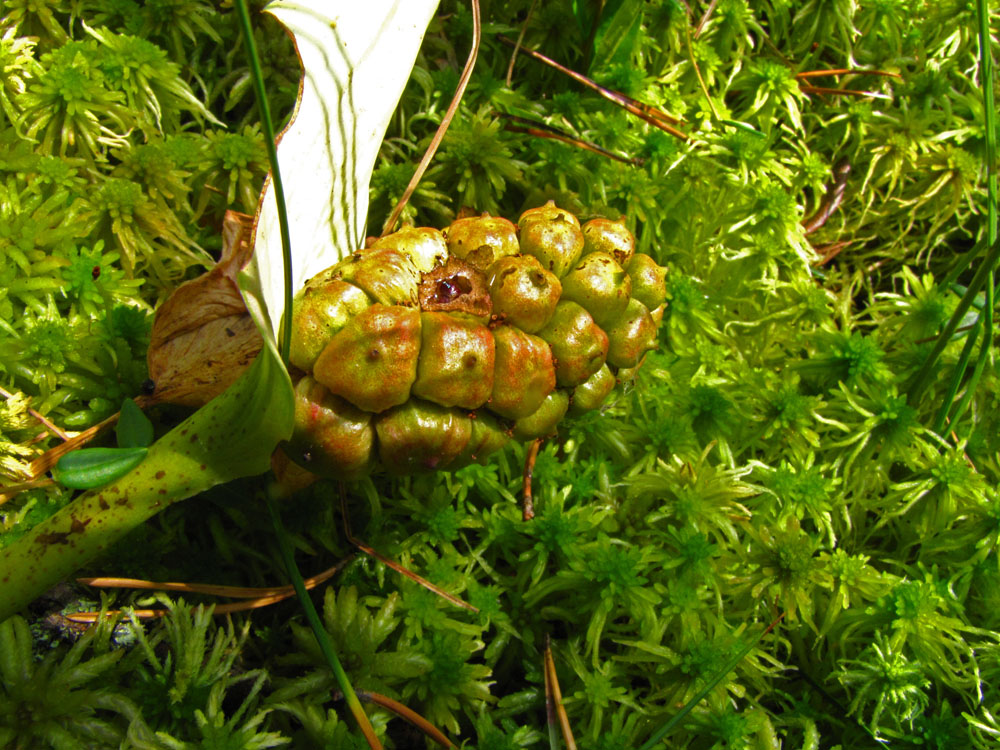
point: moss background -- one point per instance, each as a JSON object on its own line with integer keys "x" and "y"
{"x": 774, "y": 457}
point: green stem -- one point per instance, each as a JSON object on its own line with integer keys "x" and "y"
{"x": 257, "y": 76}
{"x": 956, "y": 379}
{"x": 322, "y": 637}
{"x": 728, "y": 667}
{"x": 984, "y": 272}
{"x": 984, "y": 355}
{"x": 989, "y": 115}
{"x": 232, "y": 436}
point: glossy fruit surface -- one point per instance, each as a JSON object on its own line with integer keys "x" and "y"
{"x": 430, "y": 350}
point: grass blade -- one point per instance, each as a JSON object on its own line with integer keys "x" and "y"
{"x": 984, "y": 272}
{"x": 286, "y": 343}
{"x": 322, "y": 637}
{"x": 728, "y": 667}
{"x": 988, "y": 265}
{"x": 257, "y": 77}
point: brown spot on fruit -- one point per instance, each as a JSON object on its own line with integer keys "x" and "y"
{"x": 347, "y": 370}
{"x": 456, "y": 286}
{"x": 160, "y": 474}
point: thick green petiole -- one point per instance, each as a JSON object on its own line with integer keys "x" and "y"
{"x": 230, "y": 437}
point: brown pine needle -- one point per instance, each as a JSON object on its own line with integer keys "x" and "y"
{"x": 655, "y": 117}
{"x": 146, "y": 614}
{"x": 829, "y": 252}
{"x": 520, "y": 38}
{"x": 552, "y": 683}
{"x": 55, "y": 430}
{"x": 544, "y": 130}
{"x": 842, "y": 92}
{"x": 845, "y": 71}
{"x": 47, "y": 460}
{"x": 10, "y": 491}
{"x": 477, "y": 32}
{"x": 832, "y": 200}
{"x": 257, "y": 597}
{"x": 234, "y": 592}
{"x": 403, "y": 712}
{"x": 392, "y": 563}
{"x": 528, "y": 503}
{"x": 704, "y": 19}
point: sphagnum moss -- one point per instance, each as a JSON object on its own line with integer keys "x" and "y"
{"x": 794, "y": 361}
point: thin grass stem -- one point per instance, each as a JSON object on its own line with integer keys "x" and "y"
{"x": 956, "y": 380}
{"x": 257, "y": 76}
{"x": 948, "y": 406}
{"x": 726, "y": 668}
{"x": 322, "y": 637}
{"x": 922, "y": 378}
{"x": 989, "y": 110}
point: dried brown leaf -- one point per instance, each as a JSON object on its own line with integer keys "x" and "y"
{"x": 203, "y": 337}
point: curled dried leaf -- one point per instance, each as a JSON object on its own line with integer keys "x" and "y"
{"x": 203, "y": 337}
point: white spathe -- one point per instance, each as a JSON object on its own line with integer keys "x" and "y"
{"x": 357, "y": 57}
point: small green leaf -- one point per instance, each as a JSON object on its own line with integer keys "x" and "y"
{"x": 134, "y": 429}
{"x": 88, "y": 468}
{"x": 617, "y": 33}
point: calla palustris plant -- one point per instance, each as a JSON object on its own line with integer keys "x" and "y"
{"x": 356, "y": 60}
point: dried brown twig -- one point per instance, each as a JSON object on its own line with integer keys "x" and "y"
{"x": 449, "y": 115}
{"x": 544, "y": 130}
{"x": 392, "y": 563}
{"x": 655, "y": 117}
{"x": 527, "y": 504}
{"x": 257, "y": 597}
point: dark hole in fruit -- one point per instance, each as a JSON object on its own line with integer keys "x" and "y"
{"x": 451, "y": 288}
{"x": 470, "y": 360}
{"x": 373, "y": 355}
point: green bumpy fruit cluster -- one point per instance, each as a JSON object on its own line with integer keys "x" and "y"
{"x": 430, "y": 350}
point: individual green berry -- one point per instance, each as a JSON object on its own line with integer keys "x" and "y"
{"x": 629, "y": 374}
{"x": 524, "y": 294}
{"x": 487, "y": 437}
{"x": 425, "y": 246}
{"x": 482, "y": 240}
{"x": 545, "y": 419}
{"x": 591, "y": 393}
{"x": 578, "y": 344}
{"x": 372, "y": 361}
{"x": 649, "y": 280}
{"x": 523, "y": 375}
{"x": 549, "y": 212}
{"x": 611, "y": 237}
{"x": 631, "y": 336}
{"x": 388, "y": 276}
{"x": 332, "y": 437}
{"x": 421, "y": 436}
{"x": 557, "y": 242}
{"x": 320, "y": 309}
{"x": 455, "y": 367}
{"x": 600, "y": 285}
